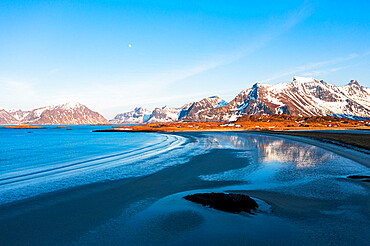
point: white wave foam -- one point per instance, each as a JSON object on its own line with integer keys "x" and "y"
{"x": 172, "y": 150}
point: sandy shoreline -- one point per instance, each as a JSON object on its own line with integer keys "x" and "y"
{"x": 67, "y": 216}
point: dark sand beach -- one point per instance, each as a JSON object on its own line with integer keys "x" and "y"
{"x": 304, "y": 210}
{"x": 61, "y": 217}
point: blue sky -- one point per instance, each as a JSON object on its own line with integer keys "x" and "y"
{"x": 52, "y": 52}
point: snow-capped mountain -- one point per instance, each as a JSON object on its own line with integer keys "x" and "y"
{"x": 138, "y": 115}
{"x": 6, "y": 118}
{"x": 64, "y": 114}
{"x": 196, "y": 110}
{"x": 19, "y": 115}
{"x": 301, "y": 97}
{"x": 165, "y": 114}
{"x": 188, "y": 112}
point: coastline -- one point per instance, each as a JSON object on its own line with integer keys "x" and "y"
{"x": 358, "y": 151}
{"x": 77, "y": 212}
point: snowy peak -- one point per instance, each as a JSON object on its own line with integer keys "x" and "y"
{"x": 6, "y": 118}
{"x": 19, "y": 115}
{"x": 164, "y": 114}
{"x": 64, "y": 114}
{"x": 301, "y": 97}
{"x": 354, "y": 82}
{"x": 138, "y": 115}
{"x": 70, "y": 105}
{"x": 212, "y": 102}
{"x": 307, "y": 97}
{"x": 198, "y": 111}
{"x": 194, "y": 111}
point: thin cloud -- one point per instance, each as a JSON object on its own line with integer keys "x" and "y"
{"x": 18, "y": 88}
{"x": 15, "y": 93}
{"x": 326, "y": 71}
{"x": 119, "y": 92}
{"x": 275, "y": 28}
{"x": 308, "y": 69}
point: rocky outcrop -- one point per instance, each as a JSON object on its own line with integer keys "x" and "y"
{"x": 363, "y": 178}
{"x": 234, "y": 203}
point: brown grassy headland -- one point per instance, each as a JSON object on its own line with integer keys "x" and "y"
{"x": 24, "y": 127}
{"x": 252, "y": 122}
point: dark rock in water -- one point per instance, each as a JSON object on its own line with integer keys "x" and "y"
{"x": 234, "y": 203}
{"x": 364, "y": 178}
{"x": 358, "y": 177}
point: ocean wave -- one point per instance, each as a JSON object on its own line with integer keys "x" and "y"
{"x": 170, "y": 150}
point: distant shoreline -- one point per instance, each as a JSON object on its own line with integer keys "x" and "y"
{"x": 354, "y": 146}
{"x": 357, "y": 140}
{"x": 253, "y": 123}
{"x": 24, "y": 127}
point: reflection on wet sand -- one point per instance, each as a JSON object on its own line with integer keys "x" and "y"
{"x": 271, "y": 149}
{"x": 301, "y": 199}
{"x": 301, "y": 186}
{"x": 276, "y": 161}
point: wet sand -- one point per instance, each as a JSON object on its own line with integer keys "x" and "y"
{"x": 339, "y": 143}
{"x": 66, "y": 217}
{"x": 61, "y": 217}
{"x": 361, "y": 141}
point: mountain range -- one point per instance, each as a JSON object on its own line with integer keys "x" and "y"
{"x": 64, "y": 114}
{"x": 188, "y": 112}
{"x": 301, "y": 97}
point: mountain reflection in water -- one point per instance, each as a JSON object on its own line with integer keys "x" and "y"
{"x": 271, "y": 161}
{"x": 271, "y": 149}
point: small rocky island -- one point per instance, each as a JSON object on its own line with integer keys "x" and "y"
{"x": 234, "y": 203}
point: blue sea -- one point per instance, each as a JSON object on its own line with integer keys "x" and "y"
{"x": 46, "y": 163}
{"x": 36, "y": 161}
